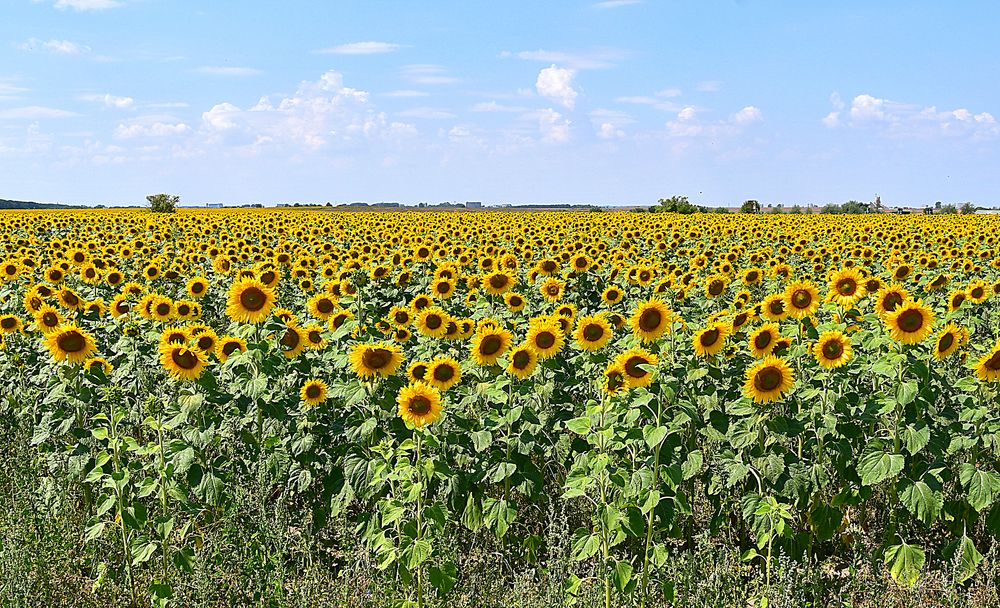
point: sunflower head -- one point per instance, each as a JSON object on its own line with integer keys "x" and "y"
{"x": 951, "y": 338}
{"x": 490, "y": 345}
{"x": 182, "y": 362}
{"x": 545, "y": 336}
{"x": 313, "y": 393}
{"x": 419, "y": 404}
{"x": 911, "y": 322}
{"x": 522, "y": 362}
{"x": 987, "y": 368}
{"x": 802, "y": 298}
{"x": 650, "y": 320}
{"x": 833, "y": 350}
{"x": 630, "y": 362}
{"x": 443, "y": 373}
{"x": 250, "y": 301}
{"x": 592, "y": 332}
{"x": 371, "y": 360}
{"x": 710, "y": 340}
{"x": 769, "y": 380}
{"x": 762, "y": 340}
{"x": 71, "y": 344}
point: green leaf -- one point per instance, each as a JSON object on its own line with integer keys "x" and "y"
{"x": 906, "y": 392}
{"x": 876, "y": 466}
{"x": 585, "y": 545}
{"x": 922, "y": 500}
{"x": 905, "y": 563}
{"x": 416, "y": 554}
{"x": 916, "y": 437}
{"x": 621, "y": 575}
{"x": 983, "y": 486}
{"x": 653, "y": 435}
{"x": 825, "y": 520}
{"x": 692, "y": 464}
{"x": 502, "y": 471}
{"x": 968, "y": 559}
{"x": 444, "y": 577}
{"x": 481, "y": 440}
{"x": 580, "y": 426}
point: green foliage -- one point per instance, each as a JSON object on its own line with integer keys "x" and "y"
{"x": 750, "y": 206}
{"x": 163, "y": 203}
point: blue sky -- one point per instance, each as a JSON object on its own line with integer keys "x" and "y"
{"x": 613, "y": 102}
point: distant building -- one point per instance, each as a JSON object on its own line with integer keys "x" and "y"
{"x": 214, "y": 205}
{"x": 473, "y": 205}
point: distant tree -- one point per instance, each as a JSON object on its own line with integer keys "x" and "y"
{"x": 675, "y": 204}
{"x": 831, "y": 208}
{"x": 967, "y": 208}
{"x": 750, "y": 206}
{"x": 948, "y": 209}
{"x": 779, "y": 208}
{"x": 854, "y": 207}
{"x": 937, "y": 205}
{"x": 721, "y": 210}
{"x": 796, "y": 209}
{"x": 163, "y": 203}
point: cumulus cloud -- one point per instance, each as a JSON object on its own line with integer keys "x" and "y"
{"x": 557, "y": 84}
{"x": 896, "y": 119}
{"x": 156, "y": 129}
{"x": 747, "y": 115}
{"x": 553, "y": 127}
{"x": 360, "y": 48}
{"x": 320, "y": 114}
{"x": 110, "y": 101}
{"x": 57, "y": 47}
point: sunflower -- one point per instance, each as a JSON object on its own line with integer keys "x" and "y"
{"x": 614, "y": 379}
{"x": 545, "y": 337}
{"x": 322, "y": 306}
{"x": 206, "y": 341}
{"x": 497, "y": 283}
{"x": 977, "y": 291}
{"x": 515, "y": 302}
{"x": 630, "y": 360}
{"x": 197, "y": 287}
{"x": 889, "y": 298}
{"x": 612, "y": 295}
{"x": 339, "y": 319}
{"x": 10, "y": 324}
{"x": 802, "y": 298}
{"x": 763, "y": 340}
{"x": 911, "y": 322}
{"x": 293, "y": 341}
{"x": 71, "y": 344}
{"x": 846, "y": 286}
{"x": 490, "y": 345}
{"x": 592, "y": 332}
{"x": 399, "y": 316}
{"x": 48, "y": 319}
{"x": 99, "y": 362}
{"x": 381, "y": 359}
{"x": 833, "y": 349}
{"x": 988, "y": 367}
{"x": 715, "y": 285}
{"x": 775, "y": 307}
{"x": 314, "y": 337}
{"x": 433, "y": 322}
{"x": 552, "y": 289}
{"x": 229, "y": 345}
{"x": 710, "y": 340}
{"x": 417, "y": 371}
{"x": 955, "y": 300}
{"x": 419, "y": 405}
{"x": 249, "y": 301}
{"x": 443, "y": 373}
{"x": 443, "y": 289}
{"x": 173, "y": 335}
{"x": 523, "y": 362}
{"x": 182, "y": 362}
{"x": 313, "y": 393}
{"x": 768, "y": 380}
{"x": 650, "y": 320}
{"x": 950, "y": 339}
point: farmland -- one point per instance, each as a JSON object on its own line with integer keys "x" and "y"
{"x": 287, "y": 408}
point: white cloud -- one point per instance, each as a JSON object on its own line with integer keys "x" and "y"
{"x": 34, "y": 113}
{"x": 228, "y": 71}
{"x": 58, "y": 47}
{"x": 110, "y": 101}
{"x": 645, "y": 100}
{"x": 360, "y": 48}
{"x": 553, "y": 127}
{"x": 608, "y": 123}
{"x": 406, "y": 93}
{"x": 156, "y": 129}
{"x": 747, "y": 115}
{"x": 426, "y": 114}
{"x": 616, "y": 3}
{"x": 320, "y": 114}
{"x": 687, "y": 114}
{"x": 585, "y": 60}
{"x": 895, "y": 119}
{"x": 708, "y": 86}
{"x": 426, "y": 73}
{"x": 557, "y": 84}
{"x": 9, "y": 91}
{"x": 86, "y": 5}
{"x": 668, "y": 93}
{"x": 492, "y": 106}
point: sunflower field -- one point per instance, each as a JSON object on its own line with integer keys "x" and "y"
{"x": 438, "y": 406}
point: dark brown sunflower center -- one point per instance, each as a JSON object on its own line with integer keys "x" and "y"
{"x": 376, "y": 358}
{"x": 313, "y": 391}
{"x": 892, "y": 301}
{"x": 762, "y": 340}
{"x": 832, "y": 349}
{"x": 548, "y": 266}
{"x": 709, "y": 337}
{"x": 498, "y": 281}
{"x": 632, "y": 366}
{"x": 206, "y": 342}
{"x": 993, "y": 363}
{"x": 650, "y": 319}
{"x": 768, "y": 379}
{"x": 801, "y": 298}
{"x": 752, "y": 276}
{"x": 490, "y": 345}
{"x": 315, "y": 337}
{"x": 434, "y": 321}
{"x": 419, "y": 371}
{"x": 715, "y": 287}
{"x": 945, "y": 342}
{"x": 253, "y": 299}
{"x": 72, "y": 342}
{"x": 444, "y": 373}
{"x": 615, "y": 380}
{"x": 50, "y": 319}
{"x": 957, "y": 300}
{"x": 162, "y": 309}
{"x": 8, "y": 323}
{"x": 420, "y": 405}
{"x": 443, "y": 287}
{"x": 977, "y": 292}
{"x": 521, "y": 359}
{"x": 400, "y": 317}
{"x": 593, "y": 332}
{"x": 230, "y": 347}
{"x": 184, "y": 359}
{"x": 197, "y": 287}
{"x": 911, "y": 320}
{"x": 545, "y": 339}
{"x": 613, "y": 295}
{"x": 776, "y": 307}
{"x": 291, "y": 339}
{"x": 70, "y": 298}
{"x": 847, "y": 287}
{"x": 268, "y": 277}
{"x": 552, "y": 290}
